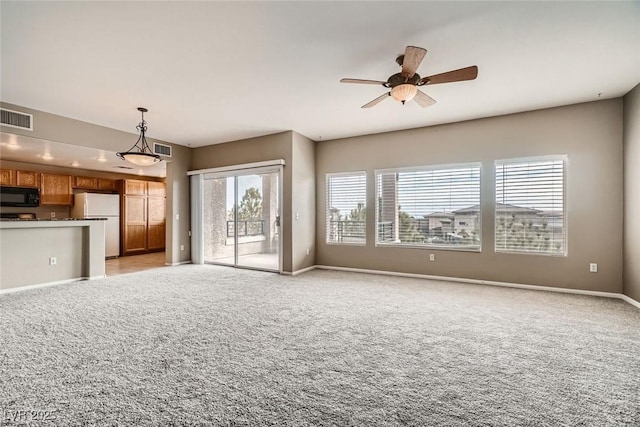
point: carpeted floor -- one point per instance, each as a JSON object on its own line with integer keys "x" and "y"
{"x": 207, "y": 345}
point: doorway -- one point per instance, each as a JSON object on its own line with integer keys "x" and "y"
{"x": 241, "y": 218}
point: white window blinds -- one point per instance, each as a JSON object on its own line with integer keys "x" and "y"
{"x": 530, "y": 206}
{"x": 346, "y": 212}
{"x": 429, "y": 206}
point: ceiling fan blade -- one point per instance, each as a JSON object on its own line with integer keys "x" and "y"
{"x": 364, "y": 82}
{"x": 377, "y": 100}
{"x": 423, "y": 99}
{"x": 413, "y": 56}
{"x": 468, "y": 73}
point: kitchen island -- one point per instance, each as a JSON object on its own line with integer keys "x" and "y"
{"x": 40, "y": 252}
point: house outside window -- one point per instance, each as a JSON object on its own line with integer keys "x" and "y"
{"x": 430, "y": 206}
{"x": 346, "y": 211}
{"x": 530, "y": 206}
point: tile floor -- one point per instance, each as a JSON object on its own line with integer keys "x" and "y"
{"x": 130, "y": 264}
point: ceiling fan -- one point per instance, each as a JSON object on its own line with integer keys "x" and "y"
{"x": 404, "y": 85}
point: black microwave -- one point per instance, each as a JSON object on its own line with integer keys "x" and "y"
{"x": 19, "y": 197}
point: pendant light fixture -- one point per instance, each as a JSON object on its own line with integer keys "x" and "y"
{"x": 143, "y": 156}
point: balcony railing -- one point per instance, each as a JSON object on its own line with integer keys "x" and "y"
{"x": 252, "y": 227}
{"x": 347, "y": 230}
{"x": 385, "y": 231}
{"x": 353, "y": 231}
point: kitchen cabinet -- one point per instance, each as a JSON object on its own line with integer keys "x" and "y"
{"x": 156, "y": 193}
{"x": 7, "y": 177}
{"x": 85, "y": 182}
{"x": 143, "y": 216}
{"x": 107, "y": 184}
{"x": 16, "y": 178}
{"x": 27, "y": 179}
{"x": 135, "y": 187}
{"x": 55, "y": 189}
{"x": 93, "y": 183}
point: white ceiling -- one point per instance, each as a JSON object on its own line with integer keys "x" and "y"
{"x": 211, "y": 72}
{"x": 39, "y": 151}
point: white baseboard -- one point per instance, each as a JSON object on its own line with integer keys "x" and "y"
{"x": 487, "y": 282}
{"x": 630, "y": 300}
{"x": 303, "y": 270}
{"x": 45, "y": 285}
{"x": 177, "y": 263}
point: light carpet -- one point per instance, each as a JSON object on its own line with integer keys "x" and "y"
{"x": 209, "y": 345}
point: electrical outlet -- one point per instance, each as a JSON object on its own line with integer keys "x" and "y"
{"x": 297, "y": 216}
{"x": 53, "y": 214}
{"x": 177, "y": 216}
{"x": 53, "y": 260}
{"x": 432, "y": 257}
{"x": 308, "y": 251}
{"x": 593, "y": 267}
{"x": 182, "y": 247}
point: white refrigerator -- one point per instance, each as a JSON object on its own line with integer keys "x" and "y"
{"x": 96, "y": 205}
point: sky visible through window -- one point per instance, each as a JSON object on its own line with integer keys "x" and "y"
{"x": 347, "y": 191}
{"x": 422, "y": 193}
{"x": 531, "y": 184}
{"x": 244, "y": 182}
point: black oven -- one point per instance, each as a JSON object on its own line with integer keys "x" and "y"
{"x": 20, "y": 197}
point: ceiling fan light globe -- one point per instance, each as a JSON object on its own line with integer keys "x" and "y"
{"x": 404, "y": 92}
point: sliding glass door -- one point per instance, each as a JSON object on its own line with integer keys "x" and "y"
{"x": 241, "y": 218}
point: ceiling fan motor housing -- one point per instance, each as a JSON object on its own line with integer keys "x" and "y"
{"x": 399, "y": 79}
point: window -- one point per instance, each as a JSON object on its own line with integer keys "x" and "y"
{"x": 530, "y": 206}
{"x": 437, "y": 206}
{"x": 346, "y": 208}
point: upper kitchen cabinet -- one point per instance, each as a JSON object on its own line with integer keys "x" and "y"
{"x": 107, "y": 184}
{"x": 28, "y": 179}
{"x": 93, "y": 183}
{"x": 7, "y": 177}
{"x": 55, "y": 189}
{"x": 85, "y": 182}
{"x": 135, "y": 187}
{"x": 10, "y": 177}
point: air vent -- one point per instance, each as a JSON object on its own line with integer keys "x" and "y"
{"x": 16, "y": 119}
{"x": 163, "y": 150}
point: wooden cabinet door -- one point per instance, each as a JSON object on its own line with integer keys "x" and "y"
{"x": 107, "y": 184}
{"x": 156, "y": 223}
{"x": 27, "y": 179}
{"x": 156, "y": 189}
{"x": 7, "y": 177}
{"x": 86, "y": 182}
{"x": 55, "y": 189}
{"x": 135, "y": 186}
{"x": 134, "y": 224}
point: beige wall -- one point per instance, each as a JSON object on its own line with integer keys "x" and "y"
{"x": 303, "y": 202}
{"x": 178, "y": 206}
{"x": 270, "y": 147}
{"x": 69, "y": 131}
{"x": 632, "y": 194}
{"x": 590, "y": 134}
